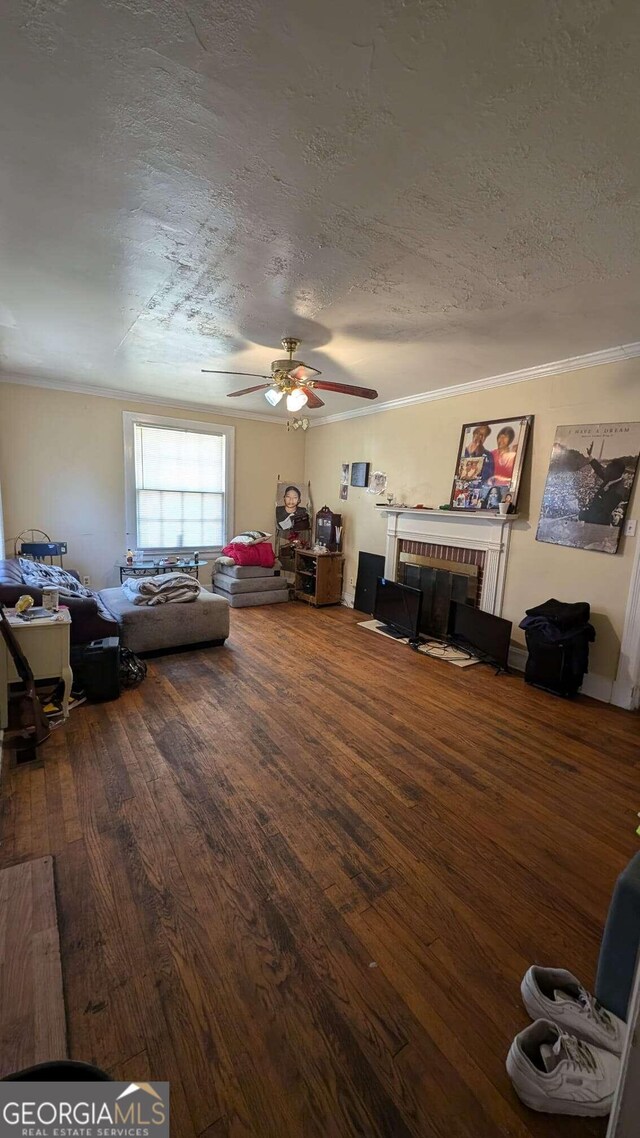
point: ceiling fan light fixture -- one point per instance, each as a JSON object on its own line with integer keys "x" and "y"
{"x": 301, "y": 373}
{"x": 296, "y": 399}
{"x": 273, "y": 396}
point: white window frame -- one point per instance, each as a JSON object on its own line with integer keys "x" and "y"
{"x": 130, "y": 419}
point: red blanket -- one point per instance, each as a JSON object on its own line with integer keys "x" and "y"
{"x": 261, "y": 554}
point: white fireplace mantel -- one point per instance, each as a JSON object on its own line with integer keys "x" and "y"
{"x": 481, "y": 530}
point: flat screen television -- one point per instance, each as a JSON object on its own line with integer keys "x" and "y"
{"x": 486, "y": 634}
{"x": 398, "y": 608}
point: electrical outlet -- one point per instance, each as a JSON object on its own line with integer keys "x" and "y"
{"x": 630, "y": 527}
{"x": 86, "y": 580}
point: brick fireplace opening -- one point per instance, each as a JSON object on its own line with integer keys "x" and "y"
{"x": 443, "y": 573}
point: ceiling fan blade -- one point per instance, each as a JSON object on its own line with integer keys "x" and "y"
{"x": 249, "y": 374}
{"x": 346, "y": 389}
{"x": 302, "y": 373}
{"x": 313, "y": 400}
{"x": 247, "y": 390}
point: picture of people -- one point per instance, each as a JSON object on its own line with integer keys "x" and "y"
{"x": 344, "y": 481}
{"x": 471, "y": 469}
{"x": 589, "y": 483}
{"x": 291, "y": 515}
{"x": 489, "y": 465}
{"x": 293, "y": 522}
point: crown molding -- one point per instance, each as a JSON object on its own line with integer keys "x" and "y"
{"x": 523, "y": 375}
{"x": 137, "y": 397}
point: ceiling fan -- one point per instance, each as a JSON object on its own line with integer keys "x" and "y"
{"x": 294, "y": 379}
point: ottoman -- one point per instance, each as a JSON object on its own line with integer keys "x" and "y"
{"x": 243, "y": 592}
{"x": 242, "y": 572}
{"x": 149, "y": 628}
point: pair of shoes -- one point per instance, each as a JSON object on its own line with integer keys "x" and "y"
{"x": 568, "y": 1061}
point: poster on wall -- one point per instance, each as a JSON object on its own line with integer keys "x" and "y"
{"x": 344, "y": 481}
{"x": 293, "y": 521}
{"x": 589, "y": 483}
{"x": 489, "y": 463}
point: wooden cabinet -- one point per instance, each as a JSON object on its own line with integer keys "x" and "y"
{"x": 318, "y": 577}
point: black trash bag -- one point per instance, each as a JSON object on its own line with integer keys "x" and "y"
{"x": 132, "y": 669}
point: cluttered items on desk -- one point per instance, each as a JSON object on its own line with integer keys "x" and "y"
{"x": 27, "y": 610}
{"x": 36, "y": 613}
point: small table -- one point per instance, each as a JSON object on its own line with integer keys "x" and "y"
{"x": 45, "y": 643}
{"x": 151, "y": 568}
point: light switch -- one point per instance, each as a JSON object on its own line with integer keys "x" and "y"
{"x": 630, "y": 527}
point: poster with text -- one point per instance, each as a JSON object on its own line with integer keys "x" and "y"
{"x": 589, "y": 483}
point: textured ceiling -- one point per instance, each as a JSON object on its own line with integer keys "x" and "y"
{"x": 426, "y": 192}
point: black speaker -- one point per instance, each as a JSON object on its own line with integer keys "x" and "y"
{"x": 370, "y": 567}
{"x": 96, "y": 669}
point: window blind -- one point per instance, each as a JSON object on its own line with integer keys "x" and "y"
{"x": 180, "y": 488}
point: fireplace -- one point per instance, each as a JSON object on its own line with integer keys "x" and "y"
{"x": 455, "y": 542}
{"x": 452, "y": 575}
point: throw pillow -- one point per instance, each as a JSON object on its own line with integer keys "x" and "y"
{"x": 250, "y": 537}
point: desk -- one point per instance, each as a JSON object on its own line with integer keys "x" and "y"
{"x": 45, "y": 643}
{"x": 151, "y": 568}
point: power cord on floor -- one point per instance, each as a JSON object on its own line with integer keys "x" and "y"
{"x": 437, "y": 650}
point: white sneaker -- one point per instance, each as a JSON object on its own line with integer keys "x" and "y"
{"x": 553, "y": 993}
{"x": 559, "y": 1074}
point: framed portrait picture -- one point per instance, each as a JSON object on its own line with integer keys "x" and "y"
{"x": 344, "y": 481}
{"x": 489, "y": 463}
{"x": 293, "y": 521}
{"x": 359, "y": 473}
{"x": 377, "y": 482}
{"x": 589, "y": 483}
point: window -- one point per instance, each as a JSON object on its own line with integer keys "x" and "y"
{"x": 178, "y": 480}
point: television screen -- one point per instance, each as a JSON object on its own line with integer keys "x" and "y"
{"x": 398, "y": 606}
{"x": 488, "y": 634}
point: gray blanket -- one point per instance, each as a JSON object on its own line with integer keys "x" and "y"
{"x": 166, "y": 588}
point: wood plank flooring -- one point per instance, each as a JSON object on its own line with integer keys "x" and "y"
{"x": 32, "y": 1017}
{"x": 301, "y": 876}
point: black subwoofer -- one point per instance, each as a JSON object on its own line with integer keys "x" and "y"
{"x": 96, "y": 669}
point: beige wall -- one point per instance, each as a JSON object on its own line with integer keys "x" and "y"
{"x": 62, "y": 470}
{"x": 416, "y": 446}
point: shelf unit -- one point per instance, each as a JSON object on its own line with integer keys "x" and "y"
{"x": 318, "y": 577}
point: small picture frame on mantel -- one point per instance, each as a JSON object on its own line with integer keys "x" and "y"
{"x": 360, "y": 473}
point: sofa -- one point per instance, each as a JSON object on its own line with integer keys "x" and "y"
{"x": 141, "y": 628}
{"x": 90, "y": 617}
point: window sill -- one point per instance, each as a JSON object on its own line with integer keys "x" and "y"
{"x": 155, "y": 554}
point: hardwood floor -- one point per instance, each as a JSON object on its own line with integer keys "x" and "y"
{"x": 301, "y": 876}
{"x": 32, "y": 1027}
